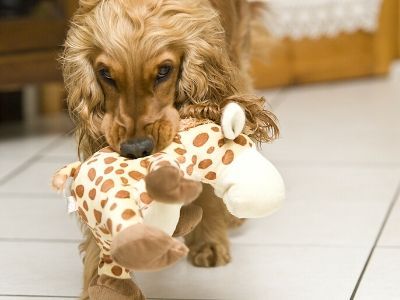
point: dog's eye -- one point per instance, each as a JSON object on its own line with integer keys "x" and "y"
{"x": 105, "y": 74}
{"x": 163, "y": 73}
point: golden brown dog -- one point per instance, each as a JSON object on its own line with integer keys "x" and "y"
{"x": 132, "y": 68}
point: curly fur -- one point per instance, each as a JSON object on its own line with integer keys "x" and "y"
{"x": 213, "y": 67}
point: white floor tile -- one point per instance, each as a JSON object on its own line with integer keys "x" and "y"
{"x": 382, "y": 277}
{"x": 65, "y": 149}
{"x": 35, "y": 297}
{"x": 346, "y": 122}
{"x": 36, "y": 178}
{"x": 46, "y": 269}
{"x": 24, "y": 147}
{"x": 326, "y": 206}
{"x": 391, "y": 232}
{"x": 36, "y": 218}
{"x": 262, "y": 272}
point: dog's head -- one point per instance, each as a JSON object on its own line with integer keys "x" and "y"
{"x": 130, "y": 64}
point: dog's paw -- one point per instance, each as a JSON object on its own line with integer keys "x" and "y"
{"x": 209, "y": 255}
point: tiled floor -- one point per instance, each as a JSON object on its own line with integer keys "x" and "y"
{"x": 337, "y": 236}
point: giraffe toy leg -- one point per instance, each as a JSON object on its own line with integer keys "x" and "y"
{"x": 104, "y": 287}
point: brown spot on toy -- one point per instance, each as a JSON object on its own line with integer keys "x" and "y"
{"x": 107, "y": 259}
{"x": 119, "y": 172}
{"x": 180, "y": 151}
{"x": 109, "y": 160}
{"x": 124, "y": 181}
{"x": 211, "y": 176}
{"x": 109, "y": 225}
{"x": 103, "y": 203}
{"x": 200, "y": 139}
{"x": 119, "y": 227}
{"x": 92, "y": 194}
{"x": 101, "y": 264}
{"x": 107, "y": 185}
{"x": 136, "y": 175}
{"x": 240, "y": 140}
{"x": 145, "y": 198}
{"x": 104, "y": 230}
{"x": 114, "y": 206}
{"x": 85, "y": 205}
{"x": 123, "y": 165}
{"x": 123, "y": 194}
{"x": 181, "y": 159}
{"x": 92, "y": 174}
{"x": 97, "y": 215}
{"x": 221, "y": 142}
{"x": 79, "y": 190}
{"x": 144, "y": 163}
{"x": 108, "y": 170}
{"x": 116, "y": 270}
{"x": 92, "y": 161}
{"x": 204, "y": 164}
{"x": 76, "y": 172}
{"x": 228, "y": 157}
{"x": 189, "y": 169}
{"x": 128, "y": 214}
{"x": 98, "y": 180}
{"x": 177, "y": 139}
{"x": 210, "y": 150}
{"x": 215, "y": 129}
{"x": 82, "y": 214}
{"x": 194, "y": 159}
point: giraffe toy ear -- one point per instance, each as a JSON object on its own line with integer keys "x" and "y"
{"x": 233, "y": 120}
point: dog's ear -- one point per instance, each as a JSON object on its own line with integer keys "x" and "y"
{"x": 87, "y": 5}
{"x": 84, "y": 94}
{"x": 207, "y": 72}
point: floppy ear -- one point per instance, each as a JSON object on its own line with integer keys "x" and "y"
{"x": 87, "y": 5}
{"x": 207, "y": 73}
{"x": 85, "y": 97}
{"x": 209, "y": 79}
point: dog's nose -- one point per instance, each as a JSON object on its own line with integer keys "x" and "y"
{"x": 137, "y": 147}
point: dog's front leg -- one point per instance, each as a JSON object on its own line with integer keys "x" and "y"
{"x": 208, "y": 243}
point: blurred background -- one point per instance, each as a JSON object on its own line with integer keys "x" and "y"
{"x": 308, "y": 42}
{"x": 330, "y": 70}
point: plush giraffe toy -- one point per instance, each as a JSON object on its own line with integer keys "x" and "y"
{"x": 117, "y": 197}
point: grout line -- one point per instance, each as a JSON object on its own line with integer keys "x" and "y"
{"x": 38, "y": 240}
{"x": 74, "y": 241}
{"x": 37, "y": 296}
{"x": 287, "y": 245}
{"x": 389, "y": 247}
{"x": 375, "y": 245}
{"x": 30, "y": 161}
{"x": 30, "y": 195}
{"x": 76, "y": 297}
{"x": 338, "y": 164}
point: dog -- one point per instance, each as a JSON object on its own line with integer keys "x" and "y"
{"x": 132, "y": 69}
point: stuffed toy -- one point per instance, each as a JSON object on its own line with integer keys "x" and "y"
{"x": 129, "y": 204}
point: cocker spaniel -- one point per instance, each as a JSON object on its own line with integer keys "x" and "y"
{"x": 132, "y": 69}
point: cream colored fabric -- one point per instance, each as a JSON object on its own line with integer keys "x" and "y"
{"x": 111, "y": 194}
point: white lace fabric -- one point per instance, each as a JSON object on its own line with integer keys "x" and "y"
{"x": 299, "y": 19}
